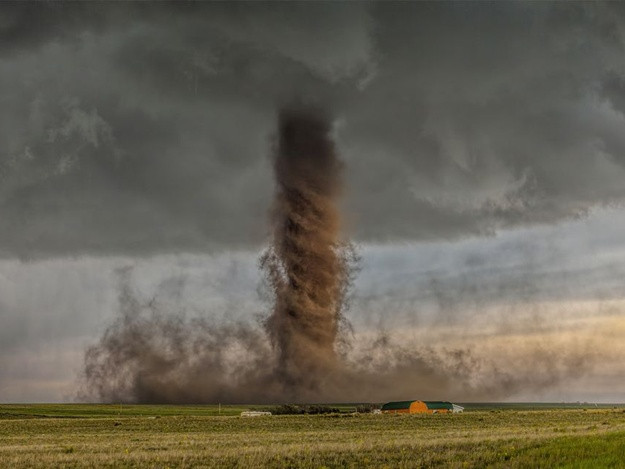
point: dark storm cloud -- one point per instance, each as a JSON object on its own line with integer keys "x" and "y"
{"x": 488, "y": 115}
{"x": 142, "y": 128}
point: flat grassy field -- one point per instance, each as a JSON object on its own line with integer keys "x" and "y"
{"x": 209, "y": 436}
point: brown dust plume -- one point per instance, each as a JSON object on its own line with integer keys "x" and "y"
{"x": 306, "y": 265}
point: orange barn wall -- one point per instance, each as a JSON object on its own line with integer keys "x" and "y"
{"x": 419, "y": 407}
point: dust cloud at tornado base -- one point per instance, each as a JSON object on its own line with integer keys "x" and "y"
{"x": 303, "y": 350}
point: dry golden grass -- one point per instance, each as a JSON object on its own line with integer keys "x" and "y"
{"x": 510, "y": 438}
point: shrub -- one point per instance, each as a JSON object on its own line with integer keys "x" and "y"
{"x": 292, "y": 409}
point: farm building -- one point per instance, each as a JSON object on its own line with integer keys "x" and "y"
{"x": 254, "y": 413}
{"x": 421, "y": 407}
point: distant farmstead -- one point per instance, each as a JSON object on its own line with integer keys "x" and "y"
{"x": 421, "y": 407}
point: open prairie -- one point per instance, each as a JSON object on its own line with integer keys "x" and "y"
{"x": 212, "y": 436}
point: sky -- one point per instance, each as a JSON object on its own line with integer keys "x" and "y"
{"x": 484, "y": 165}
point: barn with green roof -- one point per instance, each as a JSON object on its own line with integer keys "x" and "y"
{"x": 421, "y": 407}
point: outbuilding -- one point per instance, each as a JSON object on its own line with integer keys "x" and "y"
{"x": 421, "y": 407}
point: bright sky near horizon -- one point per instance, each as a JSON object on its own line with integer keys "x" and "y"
{"x": 549, "y": 289}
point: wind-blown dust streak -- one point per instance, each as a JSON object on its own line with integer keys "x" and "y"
{"x": 151, "y": 354}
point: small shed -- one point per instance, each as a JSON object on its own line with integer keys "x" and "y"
{"x": 421, "y": 407}
{"x": 254, "y": 413}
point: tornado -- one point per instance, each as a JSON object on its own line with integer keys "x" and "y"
{"x": 303, "y": 352}
{"x": 149, "y": 355}
{"x": 306, "y": 263}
